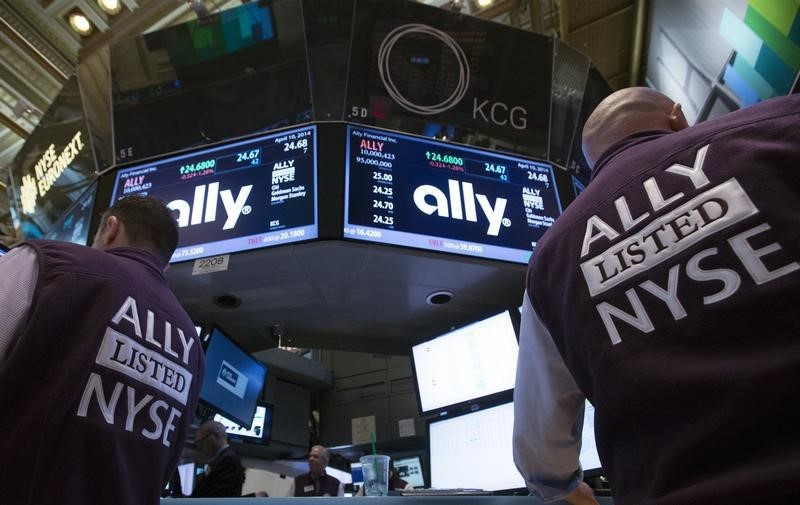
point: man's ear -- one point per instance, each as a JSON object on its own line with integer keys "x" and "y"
{"x": 111, "y": 231}
{"x": 677, "y": 121}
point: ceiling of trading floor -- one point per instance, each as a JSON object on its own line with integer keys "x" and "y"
{"x": 39, "y": 50}
{"x": 328, "y": 295}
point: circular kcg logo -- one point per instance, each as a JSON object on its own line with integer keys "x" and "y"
{"x": 385, "y": 52}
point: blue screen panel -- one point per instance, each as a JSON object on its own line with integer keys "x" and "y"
{"x": 416, "y": 192}
{"x": 233, "y": 379}
{"x": 237, "y": 196}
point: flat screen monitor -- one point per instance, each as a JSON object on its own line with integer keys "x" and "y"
{"x": 233, "y": 379}
{"x": 457, "y": 443}
{"x": 410, "y": 470}
{"x": 237, "y": 196}
{"x": 73, "y": 226}
{"x": 474, "y": 450}
{"x": 416, "y": 192}
{"x": 260, "y": 429}
{"x": 465, "y": 364}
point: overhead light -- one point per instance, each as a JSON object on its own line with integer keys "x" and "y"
{"x": 199, "y": 8}
{"x": 110, "y": 6}
{"x": 80, "y": 24}
{"x": 485, "y": 3}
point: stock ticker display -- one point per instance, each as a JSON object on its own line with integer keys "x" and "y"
{"x": 421, "y": 193}
{"x": 243, "y": 195}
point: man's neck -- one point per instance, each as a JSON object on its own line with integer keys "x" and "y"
{"x": 219, "y": 451}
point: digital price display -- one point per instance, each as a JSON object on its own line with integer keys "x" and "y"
{"x": 238, "y": 196}
{"x": 421, "y": 193}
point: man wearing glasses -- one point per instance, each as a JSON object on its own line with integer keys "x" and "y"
{"x": 224, "y": 475}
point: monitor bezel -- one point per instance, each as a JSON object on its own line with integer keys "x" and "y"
{"x": 206, "y": 341}
{"x": 464, "y": 405}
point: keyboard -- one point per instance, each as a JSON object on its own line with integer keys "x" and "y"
{"x": 458, "y": 491}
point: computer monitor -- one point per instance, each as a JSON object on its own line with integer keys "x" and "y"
{"x": 409, "y": 468}
{"x": 474, "y": 450}
{"x": 260, "y": 429}
{"x": 456, "y": 443}
{"x": 233, "y": 379}
{"x": 466, "y": 364}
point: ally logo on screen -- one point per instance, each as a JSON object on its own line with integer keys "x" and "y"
{"x": 461, "y": 204}
{"x": 232, "y": 379}
{"x": 204, "y": 206}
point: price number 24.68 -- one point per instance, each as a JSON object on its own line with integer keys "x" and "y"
{"x": 296, "y": 144}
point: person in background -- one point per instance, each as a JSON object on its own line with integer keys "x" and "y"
{"x": 395, "y": 482}
{"x": 667, "y": 294}
{"x": 224, "y": 475}
{"x": 100, "y": 366}
{"x": 316, "y": 482}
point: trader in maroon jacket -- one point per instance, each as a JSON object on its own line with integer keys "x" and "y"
{"x": 100, "y": 366}
{"x": 668, "y": 294}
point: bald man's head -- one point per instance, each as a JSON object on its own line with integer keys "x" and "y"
{"x": 625, "y": 112}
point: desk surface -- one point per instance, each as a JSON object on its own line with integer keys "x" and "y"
{"x": 386, "y": 500}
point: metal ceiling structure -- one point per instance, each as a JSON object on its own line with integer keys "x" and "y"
{"x": 39, "y": 50}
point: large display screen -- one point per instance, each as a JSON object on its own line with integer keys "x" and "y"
{"x": 233, "y": 379}
{"x": 475, "y": 450}
{"x": 480, "y": 82}
{"x": 472, "y": 362}
{"x": 416, "y": 192}
{"x": 243, "y": 195}
{"x": 54, "y": 166}
{"x": 231, "y": 73}
{"x": 73, "y": 226}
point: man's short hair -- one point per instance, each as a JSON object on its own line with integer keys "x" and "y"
{"x": 326, "y": 454}
{"x": 149, "y": 224}
{"x": 215, "y": 428}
